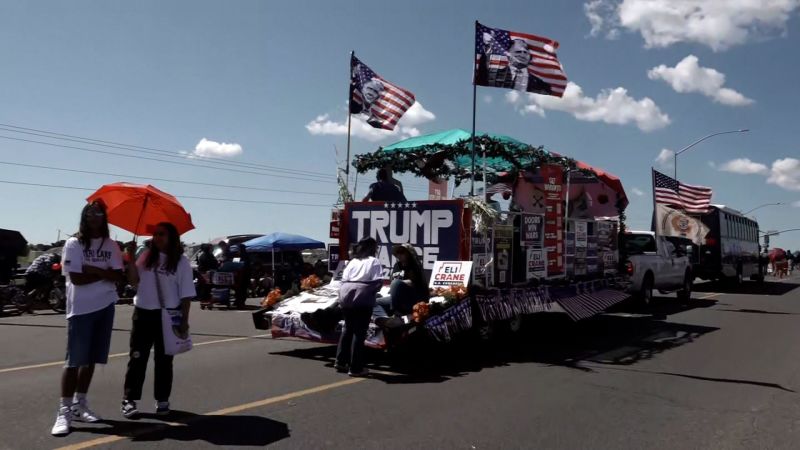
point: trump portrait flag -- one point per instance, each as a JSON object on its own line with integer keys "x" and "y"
{"x": 520, "y": 61}
{"x": 381, "y": 102}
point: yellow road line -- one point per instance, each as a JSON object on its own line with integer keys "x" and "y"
{"x": 220, "y": 412}
{"x": 118, "y": 355}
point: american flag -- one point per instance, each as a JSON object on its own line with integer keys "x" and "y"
{"x": 496, "y": 43}
{"x": 671, "y": 192}
{"x": 390, "y": 101}
{"x": 499, "y": 188}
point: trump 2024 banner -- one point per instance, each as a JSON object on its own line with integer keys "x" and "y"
{"x": 434, "y": 228}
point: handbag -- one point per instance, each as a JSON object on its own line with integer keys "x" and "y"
{"x": 175, "y": 342}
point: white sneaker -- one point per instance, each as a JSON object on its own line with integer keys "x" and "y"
{"x": 82, "y": 413}
{"x": 63, "y": 422}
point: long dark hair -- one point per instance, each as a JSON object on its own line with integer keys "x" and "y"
{"x": 84, "y": 234}
{"x": 365, "y": 248}
{"x": 174, "y": 249}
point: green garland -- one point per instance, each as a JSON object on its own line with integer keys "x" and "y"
{"x": 431, "y": 161}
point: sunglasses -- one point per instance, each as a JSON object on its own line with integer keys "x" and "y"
{"x": 95, "y": 214}
{"x": 160, "y": 234}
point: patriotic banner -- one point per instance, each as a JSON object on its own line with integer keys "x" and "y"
{"x": 671, "y": 192}
{"x": 672, "y": 222}
{"x": 381, "y": 102}
{"x": 520, "y": 61}
{"x": 554, "y": 218}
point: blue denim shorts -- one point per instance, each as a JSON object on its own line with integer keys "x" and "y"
{"x": 89, "y": 337}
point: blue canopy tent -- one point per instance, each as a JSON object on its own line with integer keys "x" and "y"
{"x": 281, "y": 241}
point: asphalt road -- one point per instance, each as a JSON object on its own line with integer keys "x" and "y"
{"x": 719, "y": 372}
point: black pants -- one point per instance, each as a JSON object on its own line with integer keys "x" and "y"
{"x": 351, "y": 343}
{"x": 145, "y": 334}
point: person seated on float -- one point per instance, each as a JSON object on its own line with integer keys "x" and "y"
{"x": 409, "y": 285}
{"x": 384, "y": 190}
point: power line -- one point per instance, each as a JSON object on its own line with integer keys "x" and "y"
{"x": 308, "y": 175}
{"x": 94, "y": 172}
{"x": 180, "y": 163}
{"x": 78, "y": 188}
{"x": 157, "y": 151}
{"x": 150, "y": 150}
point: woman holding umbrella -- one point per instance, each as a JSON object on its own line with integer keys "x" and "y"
{"x": 163, "y": 276}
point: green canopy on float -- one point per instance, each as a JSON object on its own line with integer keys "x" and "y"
{"x": 431, "y": 143}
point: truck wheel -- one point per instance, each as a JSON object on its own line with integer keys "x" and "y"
{"x": 685, "y": 294}
{"x": 646, "y": 294}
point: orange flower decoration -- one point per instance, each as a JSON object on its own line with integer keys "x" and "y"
{"x": 272, "y": 298}
{"x": 310, "y": 282}
{"x": 452, "y": 293}
{"x": 421, "y": 311}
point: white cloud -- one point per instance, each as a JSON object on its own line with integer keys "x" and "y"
{"x": 665, "y": 158}
{"x": 785, "y": 173}
{"x": 487, "y": 98}
{"x": 406, "y": 127}
{"x": 613, "y": 106}
{"x": 597, "y": 11}
{"x": 796, "y": 204}
{"x": 688, "y": 76}
{"x": 637, "y": 192}
{"x": 207, "y": 148}
{"x": 718, "y": 24}
{"x": 744, "y": 166}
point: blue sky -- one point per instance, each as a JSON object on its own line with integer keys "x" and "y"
{"x": 272, "y": 78}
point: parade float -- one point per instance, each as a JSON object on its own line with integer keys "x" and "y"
{"x": 552, "y": 247}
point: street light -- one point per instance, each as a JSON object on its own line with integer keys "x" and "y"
{"x": 699, "y": 141}
{"x": 762, "y": 206}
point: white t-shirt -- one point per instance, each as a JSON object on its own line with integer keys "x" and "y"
{"x": 367, "y": 269}
{"x": 88, "y": 298}
{"x": 174, "y": 286}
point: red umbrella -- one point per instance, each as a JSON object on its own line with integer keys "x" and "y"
{"x": 777, "y": 254}
{"x": 138, "y": 208}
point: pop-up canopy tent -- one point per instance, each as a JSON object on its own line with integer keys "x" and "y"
{"x": 281, "y": 241}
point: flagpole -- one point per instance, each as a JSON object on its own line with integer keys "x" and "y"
{"x": 653, "y": 183}
{"x": 472, "y": 141}
{"x": 349, "y": 116}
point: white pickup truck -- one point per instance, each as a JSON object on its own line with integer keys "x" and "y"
{"x": 655, "y": 262}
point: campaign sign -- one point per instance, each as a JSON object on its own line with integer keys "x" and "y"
{"x": 482, "y": 251}
{"x": 503, "y": 240}
{"x": 532, "y": 230}
{"x": 433, "y": 228}
{"x": 536, "y": 263}
{"x": 450, "y": 273}
{"x": 335, "y": 221}
{"x": 333, "y": 257}
{"x": 554, "y": 218}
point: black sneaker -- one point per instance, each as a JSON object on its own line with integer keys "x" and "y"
{"x": 129, "y": 409}
{"x": 341, "y": 368}
{"x": 162, "y": 408}
{"x": 359, "y": 374}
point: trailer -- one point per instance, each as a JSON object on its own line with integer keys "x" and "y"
{"x": 553, "y": 246}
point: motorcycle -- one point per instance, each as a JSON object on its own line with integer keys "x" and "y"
{"x": 13, "y": 300}
{"x": 53, "y": 293}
